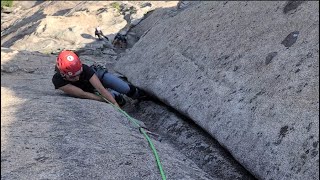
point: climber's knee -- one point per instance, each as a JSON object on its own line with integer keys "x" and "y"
{"x": 132, "y": 92}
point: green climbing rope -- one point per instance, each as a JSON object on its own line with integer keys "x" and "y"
{"x": 163, "y": 176}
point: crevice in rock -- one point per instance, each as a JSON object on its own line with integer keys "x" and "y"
{"x": 182, "y": 133}
{"x": 188, "y": 138}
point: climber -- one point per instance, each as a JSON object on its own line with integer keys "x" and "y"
{"x": 99, "y": 33}
{"x": 120, "y": 41}
{"x": 80, "y": 80}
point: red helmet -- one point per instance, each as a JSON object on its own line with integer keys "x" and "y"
{"x": 69, "y": 63}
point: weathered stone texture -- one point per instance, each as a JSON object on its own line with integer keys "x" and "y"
{"x": 248, "y": 73}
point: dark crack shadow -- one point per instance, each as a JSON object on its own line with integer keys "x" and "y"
{"x": 87, "y": 36}
{"x": 61, "y": 12}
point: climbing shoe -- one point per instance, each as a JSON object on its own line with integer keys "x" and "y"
{"x": 142, "y": 95}
{"x": 120, "y": 100}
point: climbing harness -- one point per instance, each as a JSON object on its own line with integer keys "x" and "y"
{"x": 143, "y": 131}
{"x": 98, "y": 69}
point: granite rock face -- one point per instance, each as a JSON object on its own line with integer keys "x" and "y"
{"x": 55, "y": 25}
{"x": 45, "y": 135}
{"x": 247, "y": 73}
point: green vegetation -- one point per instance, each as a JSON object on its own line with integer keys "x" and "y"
{"x": 122, "y": 9}
{"x": 116, "y": 5}
{"x": 8, "y": 3}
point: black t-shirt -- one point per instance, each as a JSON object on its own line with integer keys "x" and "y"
{"x": 83, "y": 83}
